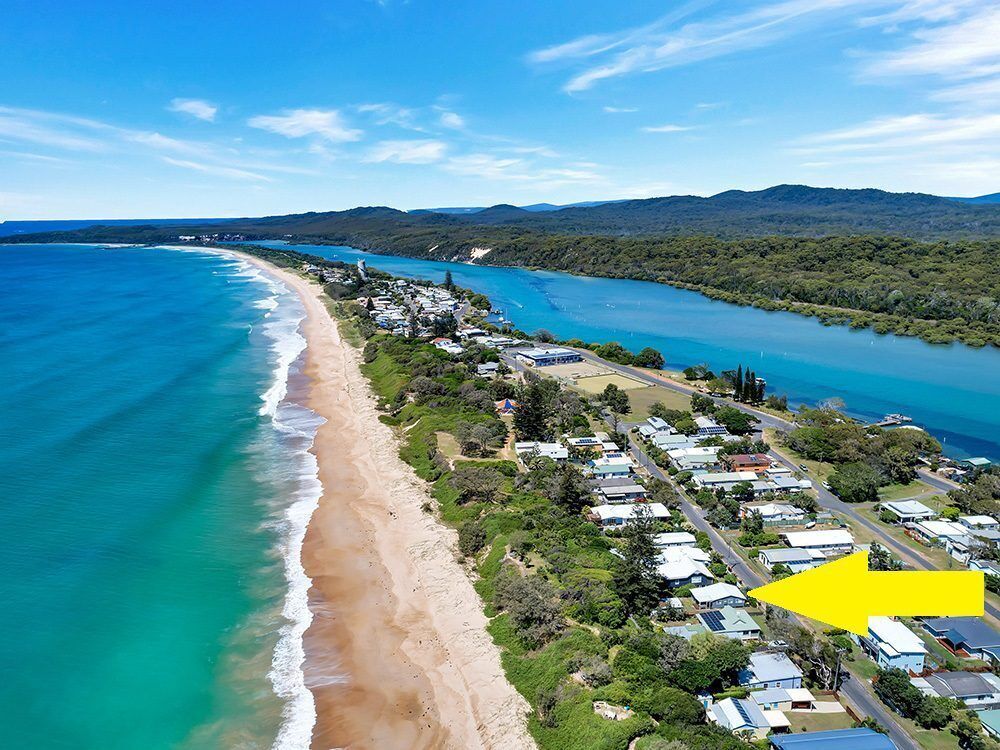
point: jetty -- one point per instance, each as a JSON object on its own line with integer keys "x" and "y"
{"x": 891, "y": 420}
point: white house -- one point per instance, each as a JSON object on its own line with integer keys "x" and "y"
{"x": 978, "y": 691}
{"x": 718, "y": 595}
{"x": 674, "y": 539}
{"x": 937, "y": 532}
{"x": 909, "y": 510}
{"x": 797, "y": 560}
{"x": 828, "y": 541}
{"x": 746, "y": 717}
{"x": 776, "y": 514}
{"x": 979, "y": 522}
{"x": 697, "y": 457}
{"x": 555, "y": 451}
{"x": 725, "y": 479}
{"x": 610, "y": 467}
{"x": 684, "y": 566}
{"x": 893, "y": 645}
{"x": 619, "y": 515}
{"x": 708, "y": 426}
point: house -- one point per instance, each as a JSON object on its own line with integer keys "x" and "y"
{"x": 977, "y": 690}
{"x": 783, "y": 699}
{"x": 660, "y": 425}
{"x": 698, "y": 457}
{"x": 684, "y": 566}
{"x": 743, "y": 715}
{"x": 909, "y": 510}
{"x": 619, "y": 515}
{"x": 555, "y": 451}
{"x": 936, "y": 532}
{"x": 776, "y": 514}
{"x": 991, "y": 722}
{"x": 730, "y": 622}
{"x": 770, "y": 671}
{"x": 447, "y": 345}
{"x": 893, "y": 645}
{"x": 620, "y": 490}
{"x": 602, "y": 468}
{"x": 966, "y": 636}
{"x": 723, "y": 479}
{"x": 989, "y": 567}
{"x": 979, "y": 522}
{"x": 859, "y": 738}
{"x": 505, "y": 407}
{"x": 543, "y": 357}
{"x": 976, "y": 464}
{"x": 708, "y": 426}
{"x": 755, "y": 462}
{"x": 599, "y": 443}
{"x": 964, "y": 548}
{"x": 687, "y": 632}
{"x": 718, "y": 595}
{"x": 670, "y": 442}
{"x": 674, "y": 539}
{"x": 487, "y": 369}
{"x": 796, "y": 559}
{"x": 828, "y": 541}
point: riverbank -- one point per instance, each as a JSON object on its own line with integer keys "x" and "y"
{"x": 397, "y": 655}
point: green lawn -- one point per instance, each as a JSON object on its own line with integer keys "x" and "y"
{"x": 643, "y": 398}
{"x": 903, "y": 491}
{"x": 817, "y": 722}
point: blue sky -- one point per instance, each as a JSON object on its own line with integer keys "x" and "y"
{"x": 155, "y": 109}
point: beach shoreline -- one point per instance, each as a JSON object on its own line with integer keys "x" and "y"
{"x": 397, "y": 654}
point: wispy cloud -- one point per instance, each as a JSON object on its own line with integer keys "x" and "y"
{"x": 29, "y": 127}
{"x": 668, "y": 128}
{"x": 217, "y": 170}
{"x": 620, "y": 110}
{"x": 672, "y": 41}
{"x": 407, "y": 152}
{"x": 452, "y": 120}
{"x": 907, "y": 132}
{"x": 489, "y": 167}
{"x": 327, "y": 124}
{"x": 198, "y": 108}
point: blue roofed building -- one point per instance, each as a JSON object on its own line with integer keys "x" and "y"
{"x": 835, "y": 739}
{"x": 770, "y": 671}
{"x": 966, "y": 636}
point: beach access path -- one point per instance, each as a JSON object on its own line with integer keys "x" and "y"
{"x": 397, "y": 655}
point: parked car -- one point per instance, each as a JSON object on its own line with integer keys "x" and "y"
{"x": 803, "y": 467}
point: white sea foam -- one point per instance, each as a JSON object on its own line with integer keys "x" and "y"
{"x": 297, "y": 426}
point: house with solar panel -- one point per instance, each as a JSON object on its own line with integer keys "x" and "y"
{"x": 731, "y": 622}
{"x": 718, "y": 595}
{"x": 859, "y": 738}
{"x": 744, "y": 716}
{"x": 966, "y": 636}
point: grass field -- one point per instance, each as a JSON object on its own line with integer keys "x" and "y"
{"x": 818, "y": 722}
{"x": 642, "y": 399}
{"x": 903, "y": 491}
{"x": 597, "y": 383}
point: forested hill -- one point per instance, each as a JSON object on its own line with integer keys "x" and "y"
{"x": 842, "y": 269}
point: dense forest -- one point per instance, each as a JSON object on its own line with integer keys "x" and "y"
{"x": 940, "y": 290}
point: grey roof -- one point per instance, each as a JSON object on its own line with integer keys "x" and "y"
{"x": 968, "y": 631}
{"x": 613, "y": 482}
{"x": 786, "y": 555}
{"x": 772, "y": 667}
{"x": 960, "y": 684}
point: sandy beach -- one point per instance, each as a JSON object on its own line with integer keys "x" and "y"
{"x": 397, "y": 655}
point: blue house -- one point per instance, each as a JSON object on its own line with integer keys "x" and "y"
{"x": 834, "y": 739}
{"x": 970, "y": 635}
{"x": 771, "y": 671}
{"x": 893, "y": 645}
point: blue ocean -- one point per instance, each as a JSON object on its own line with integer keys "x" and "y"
{"x": 155, "y": 486}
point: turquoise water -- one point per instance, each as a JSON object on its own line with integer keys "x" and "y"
{"x": 151, "y": 502}
{"x": 952, "y": 390}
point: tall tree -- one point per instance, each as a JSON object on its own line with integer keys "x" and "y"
{"x": 449, "y": 284}
{"x": 738, "y": 384}
{"x": 636, "y": 580}
{"x": 532, "y": 412}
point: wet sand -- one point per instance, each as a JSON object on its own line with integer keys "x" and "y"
{"x": 397, "y": 655}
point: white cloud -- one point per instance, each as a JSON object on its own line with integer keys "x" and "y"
{"x": 668, "y": 43}
{"x": 491, "y": 167}
{"x": 327, "y": 124}
{"x": 668, "y": 128}
{"x": 452, "y": 120}
{"x": 22, "y": 125}
{"x": 908, "y": 131}
{"x": 407, "y": 152}
{"x": 198, "y": 108}
{"x": 619, "y": 110}
{"x": 984, "y": 93}
{"x": 217, "y": 170}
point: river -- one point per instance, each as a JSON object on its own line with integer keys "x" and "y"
{"x": 952, "y": 390}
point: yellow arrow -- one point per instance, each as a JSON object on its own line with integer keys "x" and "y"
{"x": 844, "y": 593}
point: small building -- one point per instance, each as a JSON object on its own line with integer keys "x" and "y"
{"x": 828, "y": 541}
{"x": 687, "y": 632}
{"x": 755, "y": 462}
{"x": 966, "y": 636}
{"x": 621, "y": 490}
{"x": 991, "y": 722}
{"x": 977, "y": 690}
{"x": 620, "y": 515}
{"x": 708, "y": 426}
{"x": 859, "y": 738}
{"x": 783, "y": 699}
{"x": 744, "y": 716}
{"x": 681, "y": 571}
{"x": 603, "y": 468}
{"x": 776, "y": 514}
{"x": 487, "y": 369}
{"x": 672, "y": 442}
{"x": 555, "y": 451}
{"x": 543, "y": 357}
{"x": 796, "y": 559}
{"x": 718, "y": 595}
{"x": 674, "y": 539}
{"x": 893, "y": 645}
{"x": 507, "y": 406}
{"x": 937, "y": 532}
{"x": 723, "y": 479}
{"x": 979, "y": 522}
{"x": 698, "y": 457}
{"x": 909, "y": 510}
{"x": 767, "y": 670}
{"x": 976, "y": 464}
{"x": 730, "y": 622}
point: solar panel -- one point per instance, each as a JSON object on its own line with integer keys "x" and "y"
{"x": 713, "y": 619}
{"x": 741, "y": 709}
